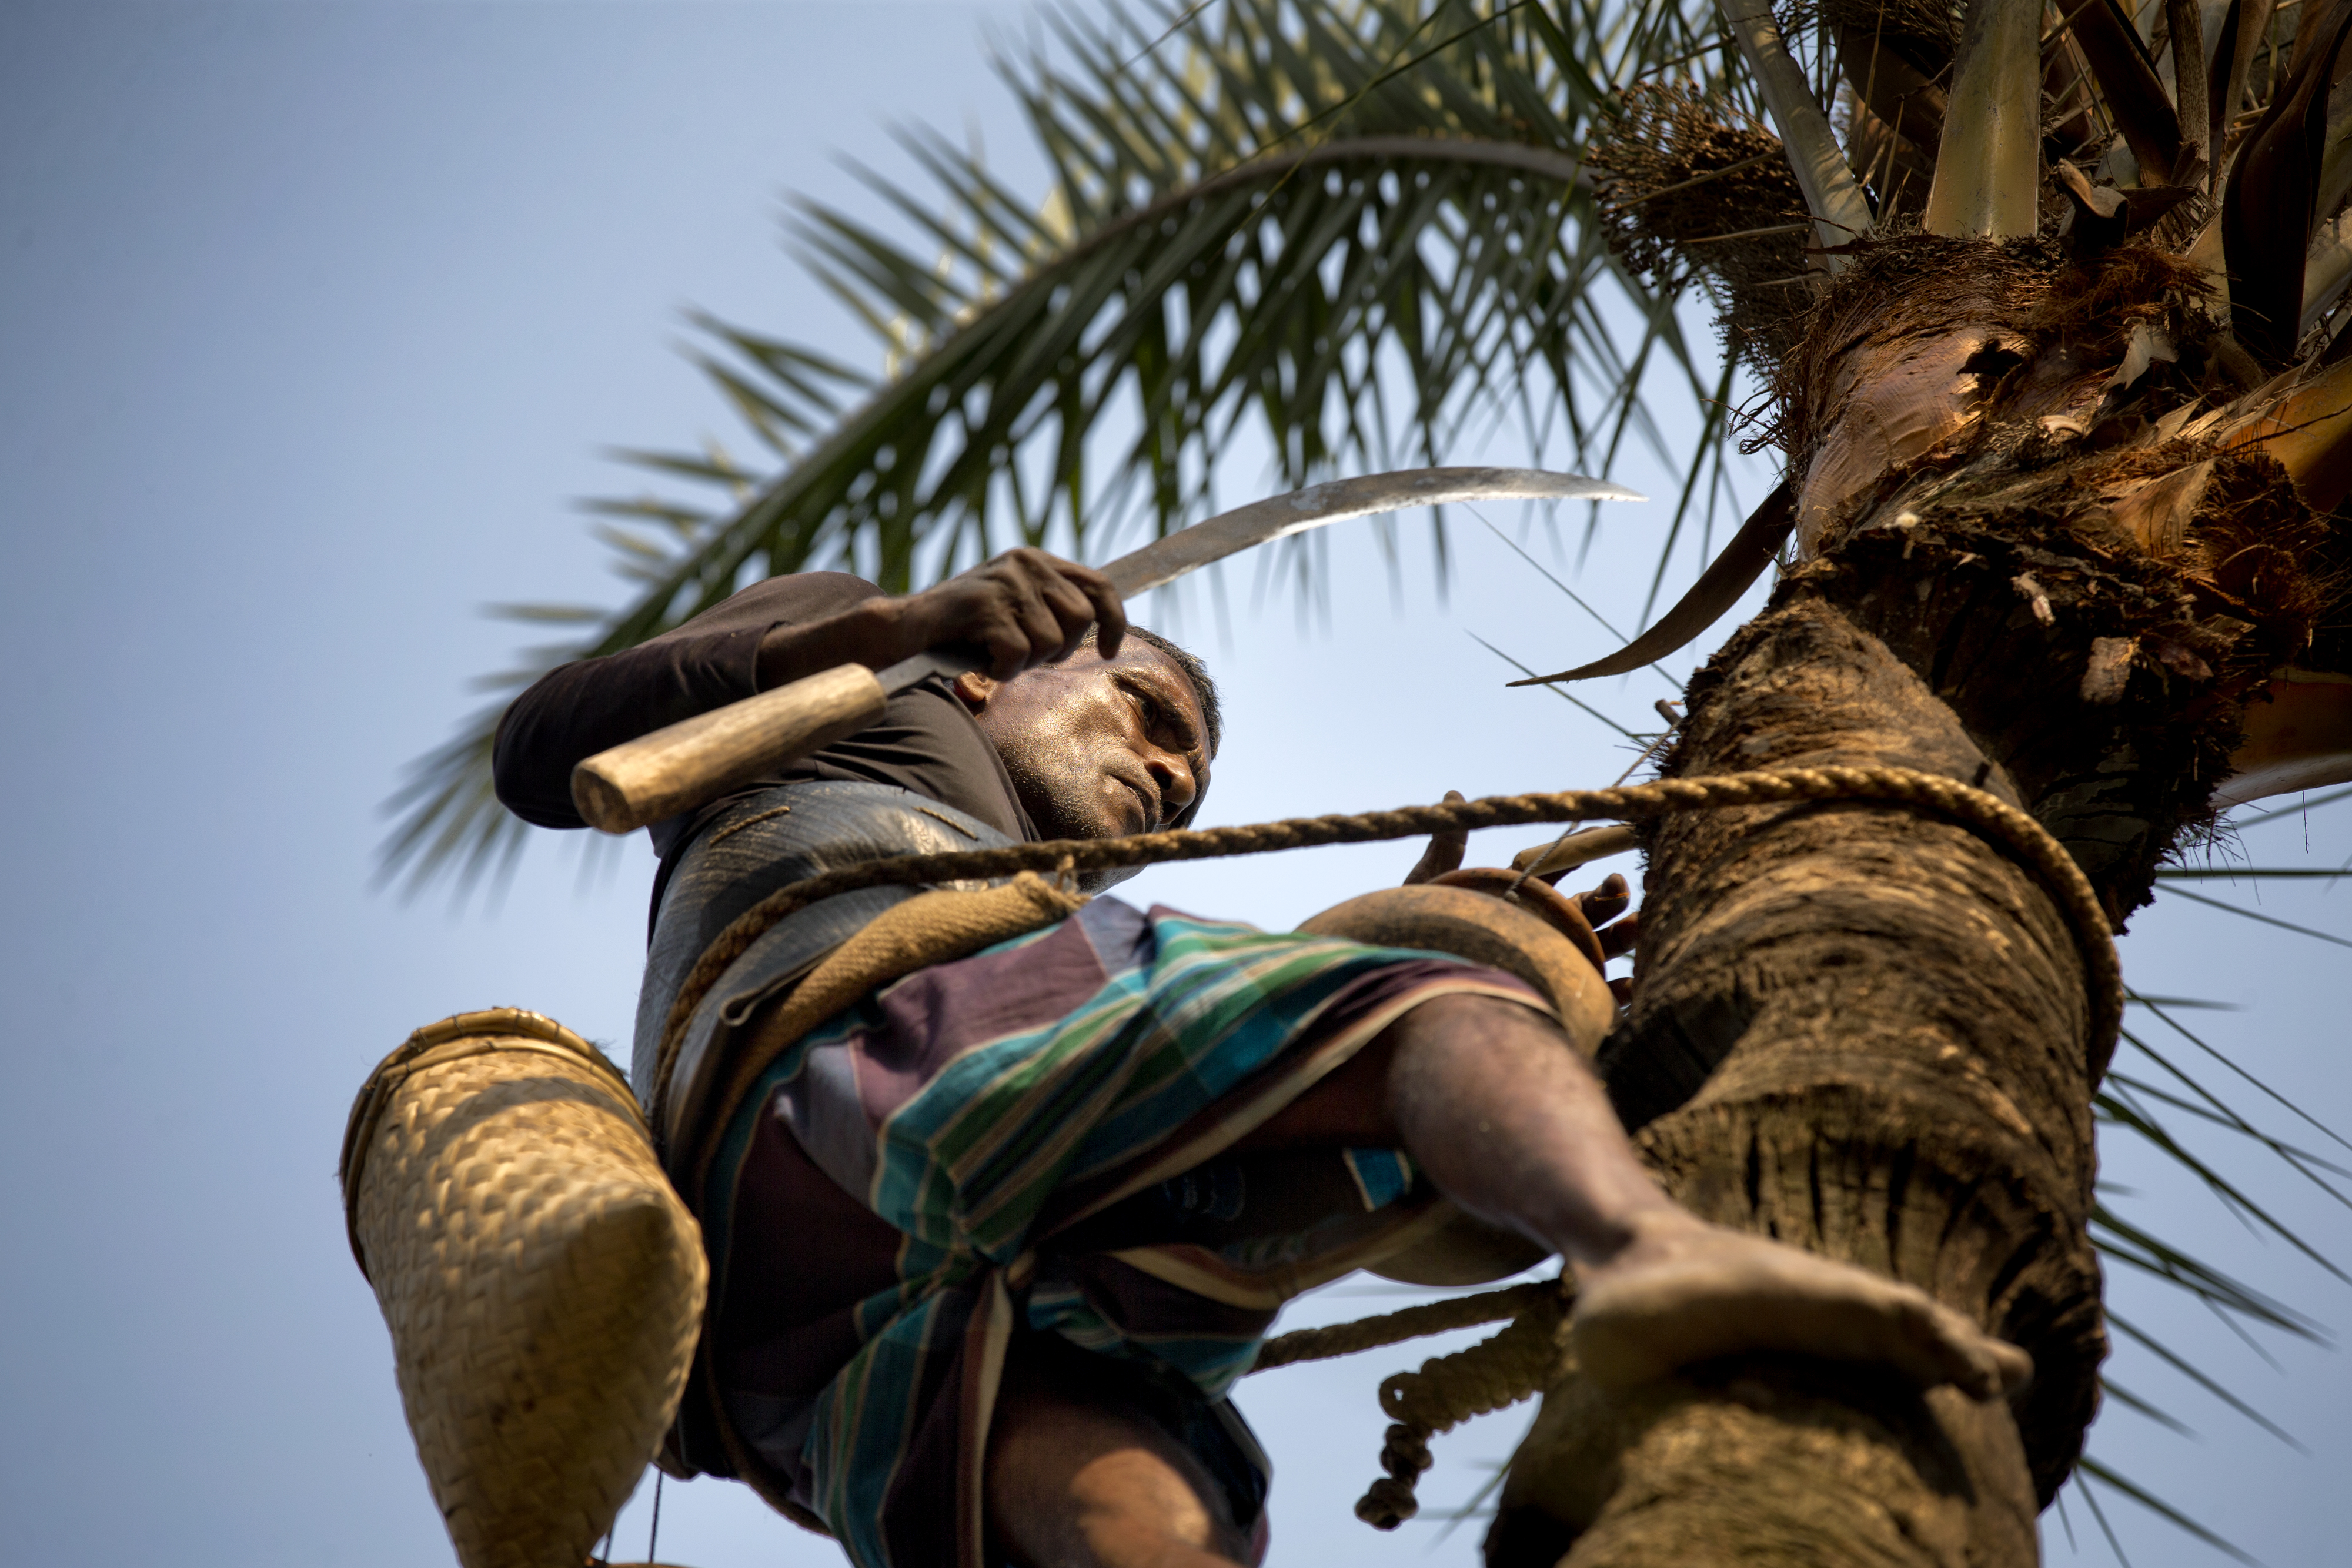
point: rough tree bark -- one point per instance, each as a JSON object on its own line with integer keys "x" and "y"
{"x": 1887, "y": 1017}
{"x": 1864, "y": 1030}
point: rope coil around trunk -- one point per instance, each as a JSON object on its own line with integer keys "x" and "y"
{"x": 1987, "y": 815}
{"x": 1527, "y": 1354}
{"x": 1448, "y": 1390}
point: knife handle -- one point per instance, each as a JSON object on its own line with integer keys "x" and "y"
{"x": 1561, "y": 855}
{"x": 695, "y": 760}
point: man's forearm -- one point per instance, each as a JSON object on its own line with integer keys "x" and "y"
{"x": 576, "y": 711}
{"x": 1014, "y": 612}
{"x": 876, "y": 633}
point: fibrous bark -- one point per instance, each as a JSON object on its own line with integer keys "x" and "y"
{"x": 1861, "y": 1029}
{"x": 1886, "y": 1015}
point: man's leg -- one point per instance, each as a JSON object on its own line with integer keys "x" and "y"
{"x": 1489, "y": 1099}
{"x": 1510, "y": 1124}
{"x": 1077, "y": 1479}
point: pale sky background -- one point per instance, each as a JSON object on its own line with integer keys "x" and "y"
{"x": 313, "y": 319}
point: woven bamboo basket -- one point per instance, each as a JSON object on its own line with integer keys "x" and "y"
{"x": 542, "y": 1283}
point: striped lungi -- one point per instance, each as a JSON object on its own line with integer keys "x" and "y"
{"x": 1034, "y": 1140}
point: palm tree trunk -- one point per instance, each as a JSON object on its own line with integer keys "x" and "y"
{"x": 1887, "y": 1017}
{"x": 1863, "y": 1030}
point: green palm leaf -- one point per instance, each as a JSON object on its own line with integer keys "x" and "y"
{"x": 1362, "y": 230}
{"x": 1358, "y": 228}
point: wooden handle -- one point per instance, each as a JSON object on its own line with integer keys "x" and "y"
{"x": 695, "y": 760}
{"x": 1576, "y": 850}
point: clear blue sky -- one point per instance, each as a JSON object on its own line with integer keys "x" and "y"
{"x": 313, "y": 318}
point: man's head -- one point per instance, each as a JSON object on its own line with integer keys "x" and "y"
{"x": 1098, "y": 747}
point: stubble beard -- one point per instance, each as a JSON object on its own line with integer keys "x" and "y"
{"x": 1064, "y": 803}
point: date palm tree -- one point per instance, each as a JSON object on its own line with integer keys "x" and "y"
{"x": 2039, "y": 310}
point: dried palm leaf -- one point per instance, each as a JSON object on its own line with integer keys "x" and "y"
{"x": 2271, "y": 198}
{"x": 1833, "y": 198}
{"x": 2130, "y": 88}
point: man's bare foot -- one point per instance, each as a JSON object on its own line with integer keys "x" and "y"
{"x": 1682, "y": 1291}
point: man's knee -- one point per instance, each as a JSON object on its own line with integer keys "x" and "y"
{"x": 1354, "y": 1105}
{"x": 1077, "y": 1474}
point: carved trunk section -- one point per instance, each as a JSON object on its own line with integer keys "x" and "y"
{"x": 1860, "y": 1029}
{"x": 2035, "y": 563}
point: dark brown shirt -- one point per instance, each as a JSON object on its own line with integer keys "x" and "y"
{"x": 925, "y": 741}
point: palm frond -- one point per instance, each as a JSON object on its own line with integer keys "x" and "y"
{"x": 2117, "y": 1107}
{"x": 1363, "y": 230}
{"x": 2110, "y": 1389}
{"x": 2196, "y": 1374}
{"x": 1579, "y": 703}
{"x": 2244, "y": 913}
{"x": 2229, "y": 1120}
{"x": 2329, "y": 799}
{"x": 2232, "y": 873}
{"x": 2126, "y": 1103}
{"x": 2123, "y": 1243}
{"x": 2095, "y": 1471}
{"x": 2158, "y": 1008}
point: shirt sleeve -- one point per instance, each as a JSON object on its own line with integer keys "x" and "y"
{"x": 582, "y": 708}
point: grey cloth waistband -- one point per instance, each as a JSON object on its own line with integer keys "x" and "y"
{"x": 757, "y": 845}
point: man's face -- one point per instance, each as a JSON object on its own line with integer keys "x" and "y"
{"x": 1097, "y": 748}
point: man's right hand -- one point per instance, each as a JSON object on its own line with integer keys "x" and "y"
{"x": 1021, "y": 609}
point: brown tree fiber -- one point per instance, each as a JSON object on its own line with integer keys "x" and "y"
{"x": 1862, "y": 1031}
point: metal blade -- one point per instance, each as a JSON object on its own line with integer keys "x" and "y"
{"x": 1187, "y": 549}
{"x": 947, "y": 662}
{"x": 1165, "y": 559}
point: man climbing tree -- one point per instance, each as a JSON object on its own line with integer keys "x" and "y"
{"x": 933, "y": 1219}
{"x": 2045, "y": 310}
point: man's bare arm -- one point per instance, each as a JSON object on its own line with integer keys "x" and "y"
{"x": 1021, "y": 609}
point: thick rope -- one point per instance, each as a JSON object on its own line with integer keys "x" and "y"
{"x": 1526, "y": 1356}
{"x": 1395, "y": 1328}
{"x": 1500, "y": 1370}
{"x": 1448, "y": 1390}
{"x": 1985, "y": 814}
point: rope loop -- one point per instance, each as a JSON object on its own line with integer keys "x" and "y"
{"x": 1395, "y": 1328}
{"x": 1987, "y": 815}
{"x": 1520, "y": 1361}
{"x": 1529, "y": 1354}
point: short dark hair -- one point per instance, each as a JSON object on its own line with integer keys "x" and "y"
{"x": 1204, "y": 688}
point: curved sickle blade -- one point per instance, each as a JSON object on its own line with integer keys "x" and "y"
{"x": 697, "y": 760}
{"x": 1187, "y": 550}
